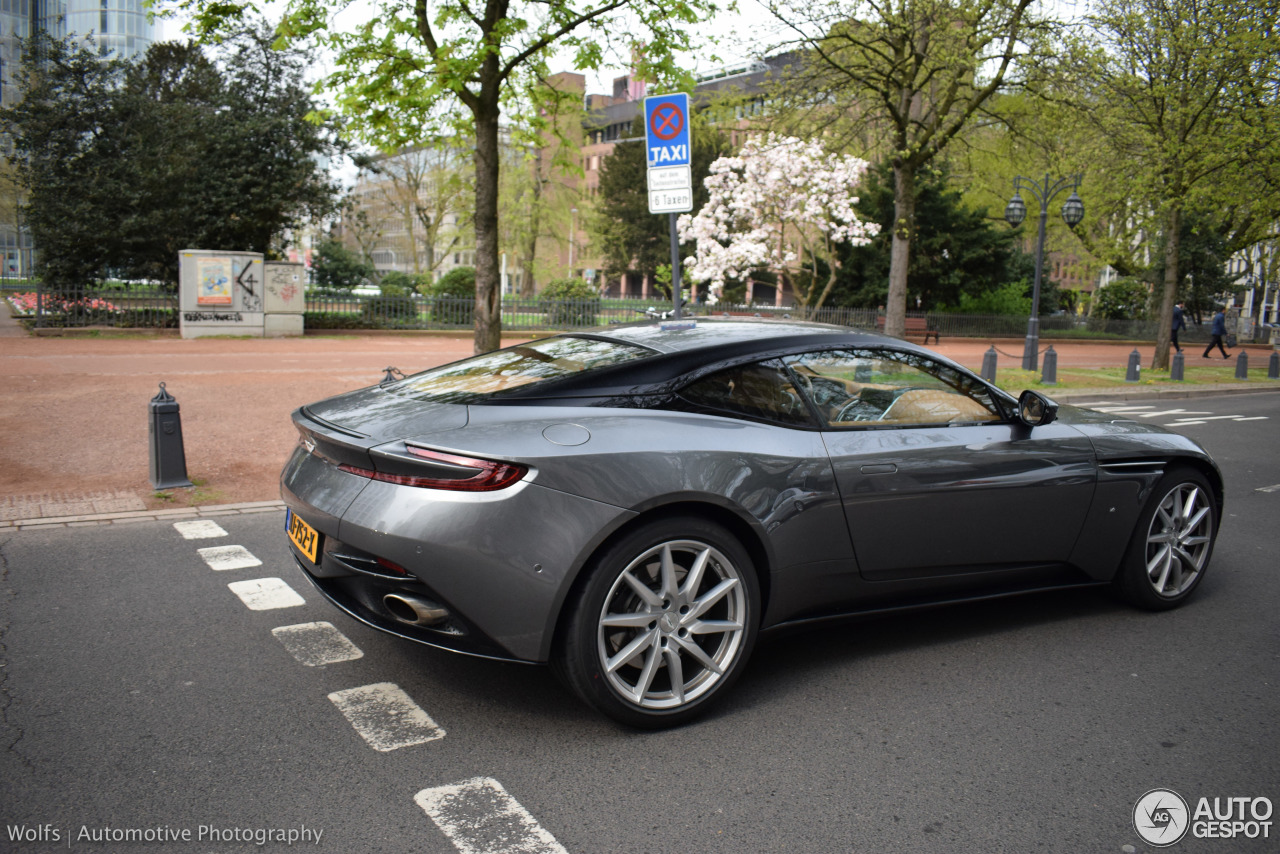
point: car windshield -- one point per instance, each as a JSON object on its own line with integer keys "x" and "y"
{"x": 522, "y": 365}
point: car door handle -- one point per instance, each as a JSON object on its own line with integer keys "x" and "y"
{"x": 880, "y": 468}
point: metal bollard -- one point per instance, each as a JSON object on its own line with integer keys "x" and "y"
{"x": 989, "y": 364}
{"x": 1134, "y": 373}
{"x": 1273, "y": 366}
{"x": 1242, "y": 365}
{"x": 1049, "y": 376}
{"x": 1178, "y": 369}
{"x": 168, "y": 458}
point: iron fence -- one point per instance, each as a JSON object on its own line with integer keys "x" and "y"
{"x": 127, "y": 305}
{"x": 114, "y": 304}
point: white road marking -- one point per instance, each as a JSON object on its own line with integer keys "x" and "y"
{"x": 1211, "y": 418}
{"x": 317, "y": 644}
{"x": 1183, "y": 412}
{"x": 199, "y": 529}
{"x": 228, "y": 557}
{"x": 266, "y": 594}
{"x": 1275, "y": 488}
{"x": 479, "y": 817}
{"x": 386, "y": 717}
{"x": 1110, "y": 409}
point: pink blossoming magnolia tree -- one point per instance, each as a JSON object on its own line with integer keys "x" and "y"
{"x": 782, "y": 205}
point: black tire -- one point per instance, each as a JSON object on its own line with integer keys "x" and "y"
{"x": 686, "y": 638}
{"x": 1172, "y": 542}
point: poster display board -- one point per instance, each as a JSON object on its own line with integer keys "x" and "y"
{"x": 237, "y": 293}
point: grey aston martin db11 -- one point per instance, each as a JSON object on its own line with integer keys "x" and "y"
{"x": 635, "y": 505}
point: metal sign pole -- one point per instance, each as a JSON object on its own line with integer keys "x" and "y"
{"x": 675, "y": 265}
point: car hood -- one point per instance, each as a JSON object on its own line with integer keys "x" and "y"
{"x": 377, "y": 415}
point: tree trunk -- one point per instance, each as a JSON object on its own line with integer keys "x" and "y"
{"x": 488, "y": 326}
{"x": 1164, "y": 334}
{"x": 904, "y": 217}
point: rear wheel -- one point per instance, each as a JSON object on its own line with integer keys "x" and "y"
{"x": 1172, "y": 544}
{"x": 663, "y": 625}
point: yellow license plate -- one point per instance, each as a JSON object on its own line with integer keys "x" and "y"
{"x": 302, "y": 535}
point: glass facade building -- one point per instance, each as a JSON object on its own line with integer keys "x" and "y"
{"x": 117, "y": 26}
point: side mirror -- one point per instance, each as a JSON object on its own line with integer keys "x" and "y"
{"x": 1036, "y": 410}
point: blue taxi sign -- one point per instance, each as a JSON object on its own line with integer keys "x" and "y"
{"x": 666, "y": 129}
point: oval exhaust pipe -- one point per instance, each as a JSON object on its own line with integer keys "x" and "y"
{"x": 414, "y": 610}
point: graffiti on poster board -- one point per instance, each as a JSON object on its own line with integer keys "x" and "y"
{"x": 247, "y": 281}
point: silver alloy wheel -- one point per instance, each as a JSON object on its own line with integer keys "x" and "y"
{"x": 1179, "y": 539}
{"x": 672, "y": 625}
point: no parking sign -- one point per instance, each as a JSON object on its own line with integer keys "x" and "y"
{"x": 666, "y": 135}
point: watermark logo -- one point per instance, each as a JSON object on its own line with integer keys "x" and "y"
{"x": 1161, "y": 817}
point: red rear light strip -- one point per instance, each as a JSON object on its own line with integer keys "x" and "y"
{"x": 489, "y": 477}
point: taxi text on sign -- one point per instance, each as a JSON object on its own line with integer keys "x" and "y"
{"x": 666, "y": 132}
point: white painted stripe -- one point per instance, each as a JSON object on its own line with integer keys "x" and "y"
{"x": 1185, "y": 423}
{"x": 1254, "y": 418}
{"x": 317, "y": 644}
{"x": 1120, "y": 408}
{"x": 199, "y": 529}
{"x": 1162, "y": 412}
{"x": 386, "y": 717}
{"x": 266, "y": 594}
{"x": 1213, "y": 418}
{"x": 1275, "y": 488}
{"x": 479, "y": 817}
{"x": 228, "y": 557}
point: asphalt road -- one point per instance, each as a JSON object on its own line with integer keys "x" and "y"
{"x": 140, "y": 694}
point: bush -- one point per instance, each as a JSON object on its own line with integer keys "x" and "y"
{"x": 396, "y": 284}
{"x": 333, "y": 320}
{"x": 570, "y": 302}
{"x": 389, "y": 311}
{"x": 454, "y": 297}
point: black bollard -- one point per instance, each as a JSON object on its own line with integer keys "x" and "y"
{"x": 1242, "y": 365}
{"x": 1273, "y": 366}
{"x": 1178, "y": 369}
{"x": 989, "y": 365}
{"x": 1134, "y": 373}
{"x": 1049, "y": 376}
{"x": 168, "y": 458}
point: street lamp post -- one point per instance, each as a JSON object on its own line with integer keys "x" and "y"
{"x": 1015, "y": 213}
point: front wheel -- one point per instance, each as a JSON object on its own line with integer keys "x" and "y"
{"x": 664, "y": 623}
{"x": 1172, "y": 543}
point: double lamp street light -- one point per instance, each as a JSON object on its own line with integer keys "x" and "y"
{"x": 1014, "y": 214}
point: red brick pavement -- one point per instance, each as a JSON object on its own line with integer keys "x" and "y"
{"x": 75, "y": 409}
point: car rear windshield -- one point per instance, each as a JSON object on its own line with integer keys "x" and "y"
{"x": 536, "y": 362}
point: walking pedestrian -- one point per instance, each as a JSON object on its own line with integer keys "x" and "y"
{"x": 1218, "y": 330}
{"x": 1179, "y": 322}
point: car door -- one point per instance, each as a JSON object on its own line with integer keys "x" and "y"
{"x": 934, "y": 477}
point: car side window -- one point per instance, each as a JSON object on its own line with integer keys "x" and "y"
{"x": 872, "y": 387}
{"x": 760, "y": 391}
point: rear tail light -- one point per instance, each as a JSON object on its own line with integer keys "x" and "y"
{"x": 450, "y": 471}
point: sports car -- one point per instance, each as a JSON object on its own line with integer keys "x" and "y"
{"x": 636, "y": 505}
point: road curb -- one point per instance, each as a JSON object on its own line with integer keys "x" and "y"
{"x": 175, "y": 514}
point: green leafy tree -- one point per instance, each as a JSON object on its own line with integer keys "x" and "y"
{"x": 125, "y": 164}
{"x": 414, "y": 71}
{"x": 959, "y": 254}
{"x": 1183, "y": 92}
{"x": 903, "y": 77}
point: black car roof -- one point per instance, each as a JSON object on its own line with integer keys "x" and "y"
{"x": 683, "y": 354}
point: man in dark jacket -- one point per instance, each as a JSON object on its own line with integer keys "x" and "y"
{"x": 1218, "y": 330}
{"x": 1179, "y": 322}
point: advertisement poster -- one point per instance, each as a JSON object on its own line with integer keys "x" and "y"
{"x": 214, "y": 281}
